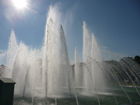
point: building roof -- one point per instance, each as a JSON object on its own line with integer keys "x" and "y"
{"x": 6, "y": 80}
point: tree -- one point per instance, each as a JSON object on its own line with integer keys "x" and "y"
{"x": 137, "y": 59}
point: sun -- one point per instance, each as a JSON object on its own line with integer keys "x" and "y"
{"x": 20, "y": 4}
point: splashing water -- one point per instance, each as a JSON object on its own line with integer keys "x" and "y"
{"x": 47, "y": 73}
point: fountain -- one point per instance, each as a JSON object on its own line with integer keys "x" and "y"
{"x": 58, "y": 67}
{"x": 46, "y": 73}
{"x": 94, "y": 81}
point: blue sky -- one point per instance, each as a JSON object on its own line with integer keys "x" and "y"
{"x": 115, "y": 23}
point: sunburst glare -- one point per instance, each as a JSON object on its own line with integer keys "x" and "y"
{"x": 20, "y": 4}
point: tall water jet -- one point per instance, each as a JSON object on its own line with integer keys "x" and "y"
{"x": 96, "y": 67}
{"x": 27, "y": 67}
{"x": 95, "y": 49}
{"x": 11, "y": 54}
{"x": 21, "y": 70}
{"x": 86, "y": 43}
{"x": 57, "y": 62}
{"x": 87, "y": 83}
{"x": 93, "y": 74}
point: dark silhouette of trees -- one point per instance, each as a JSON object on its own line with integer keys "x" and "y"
{"x": 137, "y": 59}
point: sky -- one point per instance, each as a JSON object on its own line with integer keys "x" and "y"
{"x": 115, "y": 23}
